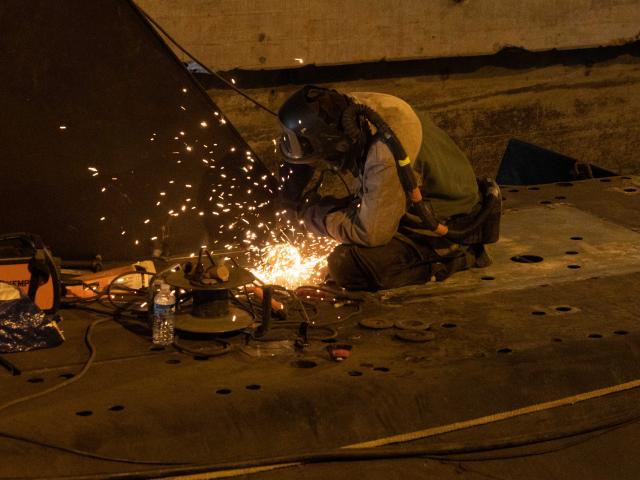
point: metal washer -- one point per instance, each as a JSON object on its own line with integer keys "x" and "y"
{"x": 376, "y": 323}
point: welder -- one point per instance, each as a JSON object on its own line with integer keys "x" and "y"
{"x": 418, "y": 212}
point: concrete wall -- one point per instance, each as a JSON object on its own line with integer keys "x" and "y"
{"x": 256, "y": 34}
{"x": 589, "y": 112}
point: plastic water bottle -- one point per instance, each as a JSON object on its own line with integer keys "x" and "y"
{"x": 164, "y": 307}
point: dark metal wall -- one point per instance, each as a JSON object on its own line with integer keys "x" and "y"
{"x": 103, "y": 133}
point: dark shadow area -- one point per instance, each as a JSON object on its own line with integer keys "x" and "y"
{"x": 512, "y": 58}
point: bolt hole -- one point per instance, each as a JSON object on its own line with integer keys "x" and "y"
{"x": 116, "y": 408}
{"x": 67, "y": 376}
{"x": 527, "y": 259}
{"x": 448, "y": 325}
{"x": 571, "y": 252}
{"x": 595, "y": 335}
{"x": 621, "y": 332}
{"x": 505, "y": 350}
{"x": 253, "y": 386}
{"x": 538, "y": 313}
{"x": 157, "y": 348}
{"x": 533, "y": 188}
{"x": 560, "y": 197}
{"x": 487, "y": 277}
{"x": 304, "y": 364}
{"x": 564, "y": 309}
{"x": 557, "y": 340}
{"x": 630, "y": 189}
{"x": 84, "y": 413}
{"x": 513, "y": 190}
{"x": 35, "y": 380}
{"x": 355, "y": 373}
{"x": 200, "y": 358}
{"x": 573, "y": 267}
{"x": 626, "y": 178}
{"x": 546, "y": 202}
{"x": 576, "y": 238}
{"x": 564, "y": 184}
{"x": 381, "y": 369}
{"x": 173, "y": 361}
{"x": 605, "y": 179}
{"x": 223, "y": 391}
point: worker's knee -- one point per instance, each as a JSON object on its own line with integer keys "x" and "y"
{"x": 345, "y": 270}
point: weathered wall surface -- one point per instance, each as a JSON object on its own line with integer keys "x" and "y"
{"x": 257, "y": 34}
{"x": 587, "y": 112}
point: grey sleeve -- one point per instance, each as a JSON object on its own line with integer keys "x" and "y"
{"x": 382, "y": 204}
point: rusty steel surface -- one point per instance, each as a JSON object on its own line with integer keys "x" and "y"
{"x": 504, "y": 337}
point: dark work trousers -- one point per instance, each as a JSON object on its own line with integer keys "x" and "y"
{"x": 396, "y": 264}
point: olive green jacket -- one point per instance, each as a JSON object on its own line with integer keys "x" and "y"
{"x": 446, "y": 178}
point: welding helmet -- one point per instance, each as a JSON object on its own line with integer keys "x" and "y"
{"x": 311, "y": 127}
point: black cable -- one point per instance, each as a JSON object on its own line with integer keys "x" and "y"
{"x": 207, "y": 69}
{"x": 441, "y": 452}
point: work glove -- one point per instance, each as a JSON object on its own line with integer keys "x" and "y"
{"x": 316, "y": 209}
{"x": 293, "y": 179}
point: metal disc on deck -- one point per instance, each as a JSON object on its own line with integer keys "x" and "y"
{"x": 412, "y": 324}
{"x": 235, "y": 319}
{"x": 417, "y": 336}
{"x": 376, "y": 323}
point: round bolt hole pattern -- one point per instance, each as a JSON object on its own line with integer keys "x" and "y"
{"x": 538, "y": 313}
{"x": 200, "y": 358}
{"x": 558, "y": 340}
{"x": 513, "y": 190}
{"x": 533, "y": 188}
{"x": 223, "y": 391}
{"x": 571, "y": 252}
{"x": 595, "y": 335}
{"x": 576, "y": 238}
{"x": 253, "y": 386}
{"x": 67, "y": 376}
{"x": 304, "y": 364}
{"x": 546, "y": 202}
{"x": 173, "y": 361}
{"x": 355, "y": 373}
{"x": 487, "y": 277}
{"x": 630, "y": 190}
{"x": 527, "y": 259}
{"x": 560, "y": 197}
{"x": 84, "y": 413}
{"x": 564, "y": 184}
{"x": 621, "y": 332}
{"x": 116, "y": 408}
{"x": 505, "y": 350}
{"x": 157, "y": 348}
{"x": 448, "y": 325}
{"x": 381, "y": 369}
{"x": 35, "y": 380}
{"x": 574, "y": 267}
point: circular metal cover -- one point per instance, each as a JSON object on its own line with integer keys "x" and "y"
{"x": 237, "y": 278}
{"x": 417, "y": 336}
{"x": 412, "y": 324}
{"x": 376, "y": 323}
{"x": 236, "y": 319}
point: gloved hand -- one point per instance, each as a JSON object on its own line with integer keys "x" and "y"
{"x": 296, "y": 178}
{"x": 317, "y": 208}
